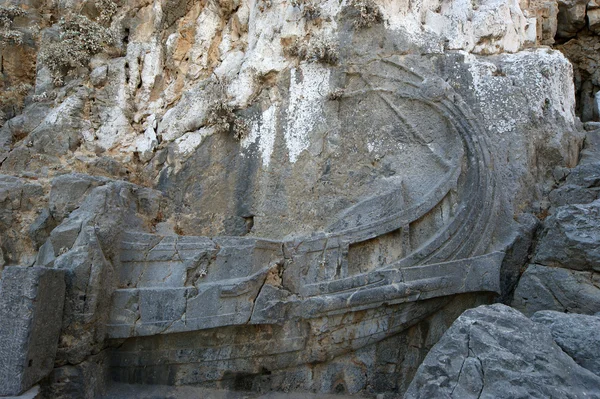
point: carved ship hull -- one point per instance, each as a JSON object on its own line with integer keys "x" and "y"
{"x": 193, "y": 309}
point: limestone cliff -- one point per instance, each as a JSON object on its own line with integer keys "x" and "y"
{"x": 279, "y": 195}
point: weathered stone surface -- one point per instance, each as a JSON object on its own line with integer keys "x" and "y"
{"x": 554, "y": 288}
{"x": 582, "y": 185}
{"x": 338, "y": 181}
{"x": 585, "y": 175}
{"x": 67, "y": 121}
{"x": 107, "y": 208}
{"x": 41, "y": 227}
{"x": 31, "y": 304}
{"x": 577, "y": 335}
{"x": 593, "y": 17}
{"x": 15, "y": 129}
{"x": 83, "y": 245}
{"x": 124, "y": 391}
{"x": 571, "y": 17}
{"x": 89, "y": 286}
{"x": 496, "y": 352}
{"x": 570, "y": 238}
{"x": 68, "y": 192}
{"x": 33, "y": 393}
{"x": 384, "y": 366}
{"x": 583, "y": 52}
{"x": 573, "y": 194}
{"x": 86, "y": 380}
{"x": 591, "y": 150}
{"x": 545, "y": 13}
{"x": 517, "y": 255}
{"x": 18, "y": 201}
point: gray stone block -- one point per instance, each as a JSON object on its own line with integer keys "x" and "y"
{"x": 31, "y": 305}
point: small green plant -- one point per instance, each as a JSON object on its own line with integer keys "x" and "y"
{"x": 315, "y": 50}
{"x": 7, "y": 17}
{"x": 107, "y": 8}
{"x": 323, "y": 51}
{"x": 368, "y": 13}
{"x": 80, "y": 39}
{"x": 222, "y": 117}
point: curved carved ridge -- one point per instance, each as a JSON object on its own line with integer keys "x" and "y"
{"x": 452, "y": 261}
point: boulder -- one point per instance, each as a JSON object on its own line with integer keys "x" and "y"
{"x": 496, "y": 352}
{"x": 578, "y": 335}
{"x": 570, "y": 238}
{"x": 559, "y": 289}
{"x": 581, "y": 186}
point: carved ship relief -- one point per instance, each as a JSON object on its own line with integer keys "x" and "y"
{"x": 192, "y": 310}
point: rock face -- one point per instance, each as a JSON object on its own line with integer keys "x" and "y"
{"x": 576, "y": 334}
{"x": 563, "y": 290}
{"x": 19, "y": 199}
{"x": 285, "y": 195}
{"x": 578, "y": 36}
{"x": 496, "y": 352}
{"x": 565, "y": 274}
{"x": 571, "y": 238}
